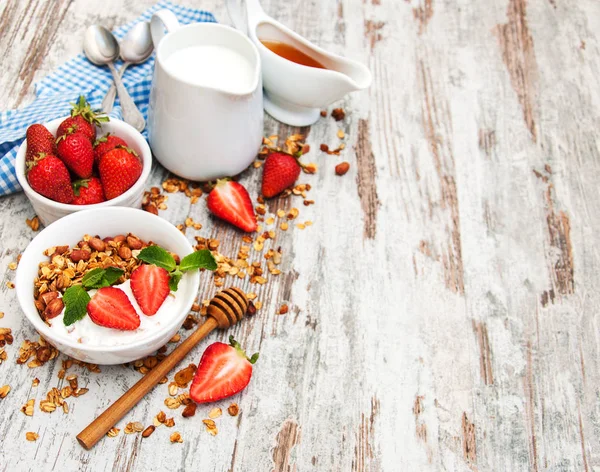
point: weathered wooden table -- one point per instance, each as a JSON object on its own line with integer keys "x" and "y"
{"x": 443, "y": 306}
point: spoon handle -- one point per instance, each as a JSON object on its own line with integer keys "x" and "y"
{"x": 109, "y": 98}
{"x": 131, "y": 114}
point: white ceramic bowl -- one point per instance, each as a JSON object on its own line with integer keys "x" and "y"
{"x": 106, "y": 222}
{"x": 49, "y": 211}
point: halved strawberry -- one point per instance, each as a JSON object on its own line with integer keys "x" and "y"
{"x": 150, "y": 287}
{"x": 230, "y": 201}
{"x": 110, "y": 307}
{"x": 223, "y": 371}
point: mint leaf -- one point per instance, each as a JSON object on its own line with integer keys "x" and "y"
{"x": 112, "y": 274}
{"x": 76, "y": 300}
{"x": 198, "y": 260}
{"x": 98, "y": 277}
{"x": 93, "y": 278}
{"x": 174, "y": 280}
{"x": 158, "y": 256}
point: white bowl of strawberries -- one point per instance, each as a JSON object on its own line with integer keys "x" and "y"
{"x": 81, "y": 162}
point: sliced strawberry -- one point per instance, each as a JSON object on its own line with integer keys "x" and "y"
{"x": 223, "y": 371}
{"x": 280, "y": 172}
{"x": 230, "y": 201}
{"x": 110, "y": 307}
{"x": 150, "y": 287}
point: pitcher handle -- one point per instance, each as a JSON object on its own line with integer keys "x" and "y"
{"x": 161, "y": 20}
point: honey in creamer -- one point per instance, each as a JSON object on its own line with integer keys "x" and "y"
{"x": 290, "y": 53}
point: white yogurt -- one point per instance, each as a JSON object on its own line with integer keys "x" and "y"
{"x": 87, "y": 332}
{"x": 212, "y": 66}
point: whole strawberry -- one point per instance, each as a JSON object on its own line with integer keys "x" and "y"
{"x": 76, "y": 151}
{"x": 88, "y": 191}
{"x": 105, "y": 144}
{"x": 39, "y": 139}
{"x": 119, "y": 169}
{"x": 280, "y": 172}
{"x": 49, "y": 177}
{"x": 82, "y": 119}
{"x": 230, "y": 201}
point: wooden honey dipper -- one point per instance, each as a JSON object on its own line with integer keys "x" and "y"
{"x": 225, "y": 309}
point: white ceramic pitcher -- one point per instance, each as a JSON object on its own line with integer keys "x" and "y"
{"x": 201, "y": 132}
{"x": 294, "y": 93}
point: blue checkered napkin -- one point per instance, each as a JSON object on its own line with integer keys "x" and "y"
{"x": 79, "y": 76}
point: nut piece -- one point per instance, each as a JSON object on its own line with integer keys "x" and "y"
{"x": 233, "y": 409}
{"x": 53, "y": 309}
{"x": 80, "y": 255}
{"x": 211, "y": 427}
{"x": 134, "y": 242}
{"x": 342, "y": 168}
{"x": 97, "y": 244}
{"x": 4, "y": 391}
{"x": 148, "y": 431}
{"x": 30, "y": 436}
{"x": 189, "y": 410}
{"x": 176, "y": 437}
{"x": 125, "y": 253}
{"x": 338, "y": 114}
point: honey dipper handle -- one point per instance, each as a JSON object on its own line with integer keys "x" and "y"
{"x": 100, "y": 426}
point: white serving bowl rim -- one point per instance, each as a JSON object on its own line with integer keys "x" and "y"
{"x": 145, "y": 155}
{"x": 23, "y": 285}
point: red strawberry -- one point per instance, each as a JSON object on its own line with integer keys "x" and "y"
{"x": 110, "y": 307}
{"x": 88, "y": 191}
{"x": 76, "y": 151}
{"x": 223, "y": 371}
{"x": 230, "y": 201}
{"x": 105, "y": 144}
{"x": 119, "y": 169}
{"x": 49, "y": 177}
{"x": 150, "y": 287}
{"x": 280, "y": 172}
{"x": 39, "y": 139}
{"x": 82, "y": 119}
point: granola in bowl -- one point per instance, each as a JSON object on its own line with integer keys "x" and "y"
{"x": 110, "y": 291}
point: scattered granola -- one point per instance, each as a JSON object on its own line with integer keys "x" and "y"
{"x": 338, "y": 114}
{"x": 342, "y": 168}
{"x": 4, "y": 391}
{"x": 113, "y": 432}
{"x": 233, "y": 409}
{"x": 30, "y": 436}
{"x": 13, "y": 265}
{"x": 133, "y": 428}
{"x": 211, "y": 427}
{"x": 169, "y": 422}
{"x": 184, "y": 376}
{"x": 10, "y": 284}
{"x": 28, "y": 407}
{"x": 189, "y": 410}
{"x": 341, "y": 134}
{"x": 148, "y": 431}
{"x": 215, "y": 413}
{"x": 283, "y": 309}
{"x": 176, "y": 437}
{"x": 3, "y": 355}
{"x": 35, "y": 382}
{"x": 33, "y": 223}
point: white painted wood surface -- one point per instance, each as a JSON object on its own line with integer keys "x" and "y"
{"x": 444, "y": 304}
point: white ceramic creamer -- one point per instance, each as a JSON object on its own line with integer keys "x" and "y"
{"x": 205, "y": 119}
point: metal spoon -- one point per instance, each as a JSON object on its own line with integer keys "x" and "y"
{"x": 136, "y": 47}
{"x": 102, "y": 48}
